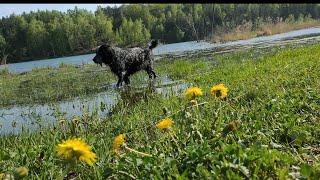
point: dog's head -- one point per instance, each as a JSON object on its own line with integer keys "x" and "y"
{"x": 104, "y": 54}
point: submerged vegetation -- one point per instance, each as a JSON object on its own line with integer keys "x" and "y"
{"x": 52, "y": 84}
{"x": 249, "y": 115}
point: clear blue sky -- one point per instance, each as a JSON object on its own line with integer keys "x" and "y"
{"x": 7, "y": 9}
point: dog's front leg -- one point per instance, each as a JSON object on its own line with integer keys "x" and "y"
{"x": 121, "y": 77}
{"x": 154, "y": 74}
{"x": 151, "y": 73}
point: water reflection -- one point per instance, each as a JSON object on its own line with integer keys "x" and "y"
{"x": 13, "y": 119}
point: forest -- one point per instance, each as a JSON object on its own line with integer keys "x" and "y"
{"x": 46, "y": 34}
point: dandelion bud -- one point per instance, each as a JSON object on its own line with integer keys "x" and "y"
{"x": 193, "y": 102}
{"x": 8, "y": 177}
{"x": 20, "y": 173}
{"x": 76, "y": 120}
{"x": 61, "y": 121}
{"x": 2, "y": 175}
{"x": 165, "y": 111}
{"x": 229, "y": 128}
{"x": 14, "y": 124}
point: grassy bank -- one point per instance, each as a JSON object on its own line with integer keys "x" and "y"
{"x": 246, "y": 31}
{"x": 267, "y": 127}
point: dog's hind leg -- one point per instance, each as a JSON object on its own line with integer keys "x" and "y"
{"x": 126, "y": 79}
{"x": 120, "y": 79}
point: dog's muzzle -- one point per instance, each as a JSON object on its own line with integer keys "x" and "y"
{"x": 95, "y": 60}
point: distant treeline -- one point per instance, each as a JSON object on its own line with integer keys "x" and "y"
{"x": 45, "y": 34}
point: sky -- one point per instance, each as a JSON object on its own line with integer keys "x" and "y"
{"x": 7, "y": 9}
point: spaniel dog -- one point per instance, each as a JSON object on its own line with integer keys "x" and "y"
{"x": 125, "y": 62}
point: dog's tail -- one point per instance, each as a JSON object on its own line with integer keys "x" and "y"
{"x": 153, "y": 44}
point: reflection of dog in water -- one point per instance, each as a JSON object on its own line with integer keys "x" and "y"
{"x": 129, "y": 96}
{"x": 126, "y": 62}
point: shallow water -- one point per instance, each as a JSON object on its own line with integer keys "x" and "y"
{"x": 12, "y": 119}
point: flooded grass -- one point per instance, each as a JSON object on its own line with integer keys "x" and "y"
{"x": 52, "y": 84}
{"x": 267, "y": 127}
{"x": 102, "y": 104}
{"x": 43, "y": 85}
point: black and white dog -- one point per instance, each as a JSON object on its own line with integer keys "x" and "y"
{"x": 126, "y": 62}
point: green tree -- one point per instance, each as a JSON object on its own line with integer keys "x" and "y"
{"x": 159, "y": 31}
{"x": 14, "y": 32}
{"x": 218, "y": 15}
{"x": 69, "y": 28}
{"x": 84, "y": 32}
{"x": 133, "y": 33}
{"x": 57, "y": 37}
{"x": 103, "y": 28}
{"x": 290, "y": 19}
{"x": 36, "y": 35}
{"x": 3, "y": 53}
{"x": 300, "y": 18}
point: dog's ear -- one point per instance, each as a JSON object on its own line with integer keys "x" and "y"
{"x": 154, "y": 43}
{"x": 104, "y": 47}
{"x": 107, "y": 50}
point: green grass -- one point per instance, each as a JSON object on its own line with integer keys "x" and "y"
{"x": 43, "y": 85}
{"x": 274, "y": 98}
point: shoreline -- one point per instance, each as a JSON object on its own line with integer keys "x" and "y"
{"x": 51, "y": 57}
{"x": 244, "y": 32}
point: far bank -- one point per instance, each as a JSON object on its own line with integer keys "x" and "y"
{"x": 247, "y": 30}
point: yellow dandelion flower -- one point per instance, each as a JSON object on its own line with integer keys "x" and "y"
{"x": 193, "y": 92}
{"x": 20, "y": 173}
{"x": 61, "y": 121}
{"x": 219, "y": 91}
{"x": 118, "y": 141}
{"x": 165, "y": 123}
{"x": 76, "y": 150}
